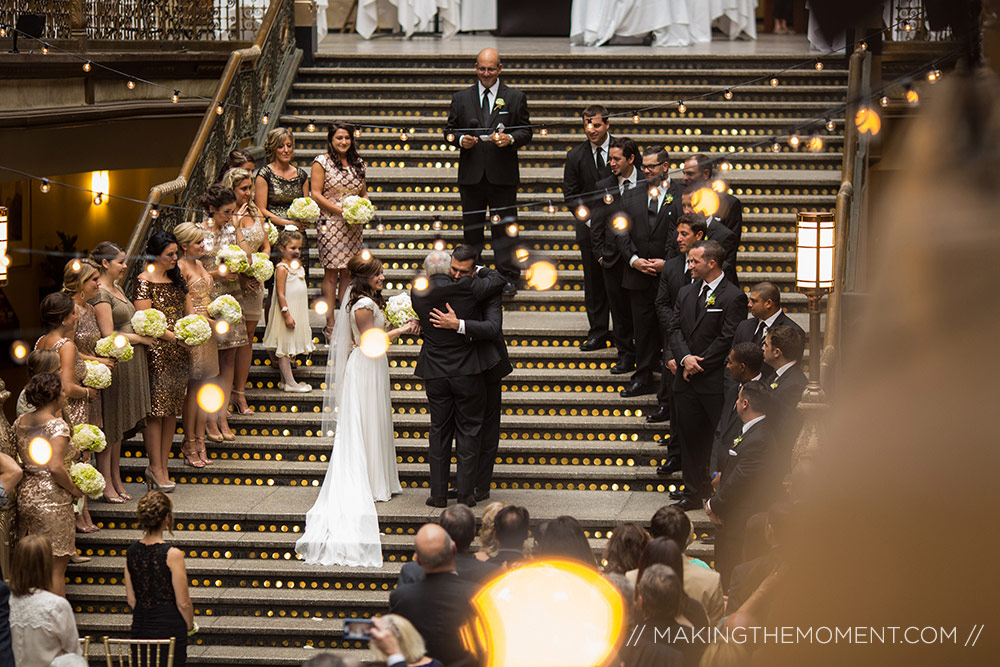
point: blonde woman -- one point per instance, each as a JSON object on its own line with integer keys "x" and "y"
{"x": 394, "y": 635}
{"x": 81, "y": 281}
{"x": 489, "y": 545}
{"x": 278, "y": 183}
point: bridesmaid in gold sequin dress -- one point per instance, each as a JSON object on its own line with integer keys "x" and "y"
{"x": 163, "y": 288}
{"x": 337, "y": 174}
{"x": 220, "y": 204}
{"x": 80, "y": 281}
{"x": 251, "y": 235}
{"x": 46, "y": 493}
{"x": 205, "y": 357}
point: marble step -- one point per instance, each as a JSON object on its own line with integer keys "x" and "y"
{"x": 341, "y": 72}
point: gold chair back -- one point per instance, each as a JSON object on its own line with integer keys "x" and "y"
{"x": 85, "y": 646}
{"x": 147, "y": 653}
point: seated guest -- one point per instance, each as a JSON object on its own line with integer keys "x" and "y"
{"x": 488, "y": 543}
{"x": 460, "y": 524}
{"x": 327, "y": 660}
{"x": 658, "y": 601}
{"x": 783, "y": 348}
{"x": 624, "y": 548}
{"x": 564, "y": 539}
{"x": 512, "y": 527}
{"x": 667, "y": 552}
{"x": 403, "y": 640}
{"x": 42, "y": 628}
{"x": 748, "y": 482}
{"x": 439, "y": 605}
{"x": 745, "y": 363}
{"x": 748, "y": 575}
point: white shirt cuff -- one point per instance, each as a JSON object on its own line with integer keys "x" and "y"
{"x": 461, "y": 327}
{"x": 632, "y": 259}
{"x": 395, "y": 658}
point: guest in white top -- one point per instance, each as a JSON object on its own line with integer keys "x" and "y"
{"x": 42, "y": 628}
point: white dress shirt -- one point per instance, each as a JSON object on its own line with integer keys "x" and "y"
{"x": 632, "y": 179}
{"x": 593, "y": 149}
{"x": 493, "y": 93}
{"x": 781, "y": 371}
{"x": 749, "y": 424}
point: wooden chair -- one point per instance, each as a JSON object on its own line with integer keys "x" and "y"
{"x": 147, "y": 652}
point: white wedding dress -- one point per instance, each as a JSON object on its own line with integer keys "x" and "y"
{"x": 342, "y": 526}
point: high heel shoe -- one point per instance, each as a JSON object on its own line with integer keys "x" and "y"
{"x": 191, "y": 453}
{"x": 152, "y": 484}
{"x": 328, "y": 334}
{"x": 242, "y": 411}
{"x": 202, "y": 452}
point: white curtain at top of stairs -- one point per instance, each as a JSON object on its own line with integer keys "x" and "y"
{"x": 672, "y": 22}
{"x": 416, "y": 15}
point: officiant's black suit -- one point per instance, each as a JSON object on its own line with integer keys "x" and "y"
{"x": 452, "y": 369}
{"x": 488, "y": 175}
{"x": 438, "y": 607}
{"x": 604, "y": 245}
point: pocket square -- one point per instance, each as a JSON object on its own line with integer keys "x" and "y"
{"x": 732, "y": 452}
{"x": 713, "y": 310}
{"x": 502, "y": 112}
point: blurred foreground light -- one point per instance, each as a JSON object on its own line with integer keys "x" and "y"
{"x": 512, "y": 230}
{"x": 119, "y": 341}
{"x": 553, "y": 613}
{"x": 222, "y": 327}
{"x": 582, "y": 212}
{"x": 294, "y": 264}
{"x": 223, "y": 269}
{"x": 19, "y": 351}
{"x": 541, "y": 275}
{"x": 151, "y": 268}
{"x": 76, "y": 266}
{"x": 40, "y": 450}
{"x": 374, "y": 342}
{"x": 719, "y": 185}
{"x": 522, "y": 255}
{"x": 620, "y": 223}
{"x": 815, "y": 144}
{"x": 654, "y": 191}
{"x": 421, "y": 283}
{"x": 912, "y": 97}
{"x": 321, "y": 307}
{"x": 211, "y": 397}
{"x": 705, "y": 201}
{"x": 868, "y": 121}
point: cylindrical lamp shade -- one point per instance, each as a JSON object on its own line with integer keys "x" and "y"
{"x": 4, "y": 260}
{"x": 815, "y": 243}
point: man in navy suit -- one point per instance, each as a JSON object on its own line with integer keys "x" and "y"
{"x": 488, "y": 173}
{"x": 783, "y": 349}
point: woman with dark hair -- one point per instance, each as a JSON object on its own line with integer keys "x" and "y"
{"x": 342, "y": 526}
{"x": 238, "y": 158}
{"x": 278, "y": 183}
{"x": 162, "y": 286}
{"x": 337, "y": 174}
{"x": 126, "y": 402}
{"x": 564, "y": 538}
{"x": 625, "y": 548}
{"x": 666, "y": 552}
{"x": 59, "y": 318}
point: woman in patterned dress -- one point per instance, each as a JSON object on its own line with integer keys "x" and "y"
{"x": 278, "y": 183}
{"x": 220, "y": 205}
{"x": 251, "y": 235}
{"x": 337, "y": 174}
{"x": 162, "y": 286}
{"x": 46, "y": 493}
{"x": 80, "y": 281}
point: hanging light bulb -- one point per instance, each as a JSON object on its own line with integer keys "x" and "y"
{"x": 590, "y": 125}
{"x": 830, "y": 125}
{"x": 45, "y": 187}
{"x": 131, "y": 84}
{"x": 582, "y": 212}
{"x": 776, "y": 147}
{"x": 907, "y": 26}
{"x": 608, "y": 198}
{"x": 681, "y": 107}
{"x": 3, "y": 31}
{"x": 544, "y": 132}
{"x": 437, "y": 223}
{"x": 264, "y": 119}
{"x": 793, "y": 141}
{"x": 774, "y": 81}
{"x": 934, "y": 75}
{"x": 311, "y": 127}
{"x": 45, "y": 49}
{"x": 176, "y": 96}
{"x": 635, "y": 116}
{"x": 884, "y": 100}
{"x": 818, "y": 66}
{"x": 863, "y": 46}
{"x": 450, "y": 138}
{"x": 380, "y": 228}
{"x": 403, "y": 136}
{"x": 219, "y": 109}
{"x": 495, "y": 219}
{"x": 154, "y": 212}
{"x": 86, "y": 66}
{"x": 912, "y": 97}
{"x": 551, "y": 208}
{"x": 357, "y": 133}
{"x": 728, "y": 94}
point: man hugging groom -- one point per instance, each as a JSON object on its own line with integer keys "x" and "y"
{"x": 462, "y": 361}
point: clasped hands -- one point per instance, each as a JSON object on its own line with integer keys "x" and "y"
{"x": 692, "y": 366}
{"x": 651, "y": 267}
{"x": 499, "y": 139}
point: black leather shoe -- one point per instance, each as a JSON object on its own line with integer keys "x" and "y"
{"x": 676, "y": 495}
{"x": 688, "y": 504}
{"x": 437, "y": 502}
{"x": 452, "y": 492}
{"x": 480, "y": 496}
{"x": 636, "y": 388}
{"x": 468, "y": 501}
{"x": 661, "y": 414}
{"x": 622, "y": 367}
{"x": 594, "y": 344}
{"x": 669, "y": 468}
{"x": 509, "y": 289}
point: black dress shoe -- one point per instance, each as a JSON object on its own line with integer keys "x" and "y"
{"x": 688, "y": 504}
{"x": 676, "y": 495}
{"x": 480, "y": 496}
{"x": 661, "y": 414}
{"x": 468, "y": 501}
{"x": 452, "y": 492}
{"x": 636, "y": 388}
{"x": 437, "y": 502}
{"x": 669, "y": 468}
{"x": 594, "y": 344}
{"x": 509, "y": 289}
{"x": 622, "y": 367}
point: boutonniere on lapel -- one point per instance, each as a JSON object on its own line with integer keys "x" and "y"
{"x": 710, "y": 301}
{"x": 737, "y": 441}
{"x": 669, "y": 199}
{"x": 774, "y": 385}
{"x": 499, "y": 104}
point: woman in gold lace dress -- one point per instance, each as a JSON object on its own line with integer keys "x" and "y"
{"x": 46, "y": 494}
{"x": 278, "y": 183}
{"x": 162, "y": 286}
{"x": 205, "y": 357}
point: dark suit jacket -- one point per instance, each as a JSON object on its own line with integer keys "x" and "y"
{"x": 730, "y": 213}
{"x": 487, "y": 334}
{"x": 660, "y": 242}
{"x": 580, "y": 176}
{"x": 718, "y": 232}
{"x": 469, "y": 568}
{"x": 499, "y": 165}
{"x": 6, "y": 650}
{"x": 749, "y": 480}
{"x": 729, "y": 426}
{"x": 603, "y": 237}
{"x": 749, "y": 575}
{"x": 675, "y": 276}
{"x": 706, "y": 332}
{"x": 747, "y": 328}
{"x": 785, "y": 416}
{"x": 444, "y": 352}
{"x": 438, "y": 607}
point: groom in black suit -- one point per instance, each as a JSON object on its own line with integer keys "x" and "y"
{"x": 488, "y": 174}
{"x": 452, "y": 369}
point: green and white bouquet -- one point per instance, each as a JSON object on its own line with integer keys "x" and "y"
{"x": 304, "y": 209}
{"x": 98, "y": 375}
{"x": 262, "y": 268}
{"x": 107, "y": 348}
{"x": 150, "y": 322}
{"x": 272, "y": 233}
{"x": 227, "y": 308}
{"x": 89, "y": 438}
{"x": 193, "y": 330}
{"x": 357, "y": 210}
{"x": 234, "y": 257}
{"x": 399, "y": 310}
{"x": 87, "y": 479}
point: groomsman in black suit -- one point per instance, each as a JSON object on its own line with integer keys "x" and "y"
{"x": 452, "y": 369}
{"x": 701, "y": 334}
{"x": 488, "y": 174}
{"x": 783, "y": 349}
{"x": 586, "y": 164}
{"x": 652, "y": 211}
{"x": 744, "y": 364}
{"x": 623, "y": 157}
{"x": 715, "y": 231}
{"x": 698, "y": 172}
{"x": 487, "y": 333}
{"x": 765, "y": 313}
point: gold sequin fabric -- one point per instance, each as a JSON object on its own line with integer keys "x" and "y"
{"x": 252, "y": 300}
{"x": 205, "y": 357}
{"x": 214, "y": 240}
{"x": 76, "y": 408}
{"x": 338, "y": 241}
{"x": 44, "y": 507}
{"x": 168, "y": 361}
{"x": 87, "y": 335}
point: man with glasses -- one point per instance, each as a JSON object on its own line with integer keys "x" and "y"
{"x": 489, "y": 122}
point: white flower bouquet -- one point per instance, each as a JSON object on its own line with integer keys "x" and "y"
{"x": 357, "y": 210}
{"x": 106, "y": 348}
{"x": 89, "y": 438}
{"x": 262, "y": 268}
{"x": 87, "y": 479}
{"x": 304, "y": 209}
{"x": 234, "y": 257}
{"x": 227, "y": 308}
{"x": 150, "y": 322}
{"x": 98, "y": 375}
{"x": 193, "y": 330}
{"x": 399, "y": 310}
{"x": 272, "y": 233}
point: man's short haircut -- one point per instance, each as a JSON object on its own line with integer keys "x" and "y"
{"x": 437, "y": 261}
{"x": 695, "y": 222}
{"x": 512, "y": 526}
{"x": 705, "y": 163}
{"x": 757, "y": 395}
{"x": 788, "y": 340}
{"x": 671, "y": 523}
{"x": 627, "y": 146}
{"x": 593, "y": 110}
{"x": 750, "y": 355}
{"x": 659, "y": 151}
{"x": 464, "y": 252}
{"x": 460, "y": 524}
{"x": 659, "y": 593}
{"x": 435, "y": 559}
{"x": 767, "y": 291}
{"x": 713, "y": 251}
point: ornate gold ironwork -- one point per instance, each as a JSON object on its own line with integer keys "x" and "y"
{"x": 7, "y": 515}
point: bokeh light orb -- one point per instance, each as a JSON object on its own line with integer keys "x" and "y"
{"x": 211, "y": 397}
{"x": 705, "y": 201}
{"x": 40, "y": 450}
{"x": 222, "y": 327}
{"x": 374, "y": 343}
{"x": 541, "y": 275}
{"x": 19, "y": 351}
{"x": 321, "y": 307}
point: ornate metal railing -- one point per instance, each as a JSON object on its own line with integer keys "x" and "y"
{"x": 247, "y": 89}
{"x": 908, "y": 19}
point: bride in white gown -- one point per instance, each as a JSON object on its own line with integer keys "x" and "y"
{"x": 342, "y": 526}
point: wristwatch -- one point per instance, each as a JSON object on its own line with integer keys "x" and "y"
{"x": 284, "y": 309}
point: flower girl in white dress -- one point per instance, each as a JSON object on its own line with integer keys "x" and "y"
{"x": 288, "y": 332}
{"x": 342, "y": 526}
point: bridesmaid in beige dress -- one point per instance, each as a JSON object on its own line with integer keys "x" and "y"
{"x": 251, "y": 235}
{"x": 46, "y": 493}
{"x": 205, "y": 357}
{"x": 80, "y": 281}
{"x": 337, "y": 174}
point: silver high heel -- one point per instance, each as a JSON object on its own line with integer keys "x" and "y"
{"x": 152, "y": 484}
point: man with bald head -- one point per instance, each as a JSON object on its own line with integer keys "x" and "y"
{"x": 439, "y": 605}
{"x": 489, "y": 121}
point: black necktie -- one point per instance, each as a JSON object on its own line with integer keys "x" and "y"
{"x": 599, "y": 154}
{"x": 486, "y": 107}
{"x": 758, "y": 336}
{"x": 625, "y": 186}
{"x": 704, "y": 293}
{"x": 654, "y": 207}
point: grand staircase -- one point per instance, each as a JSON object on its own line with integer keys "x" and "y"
{"x": 570, "y": 444}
